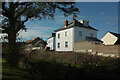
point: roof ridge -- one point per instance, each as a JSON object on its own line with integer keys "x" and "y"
{"x": 114, "y": 32}
{"x": 75, "y": 23}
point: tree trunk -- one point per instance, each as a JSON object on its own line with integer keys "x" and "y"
{"x": 12, "y": 48}
{"x": 12, "y": 57}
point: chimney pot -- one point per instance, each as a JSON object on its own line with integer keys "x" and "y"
{"x": 66, "y": 22}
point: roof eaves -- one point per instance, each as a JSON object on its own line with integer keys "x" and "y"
{"x": 94, "y": 39}
{"x": 104, "y": 35}
{"x": 115, "y": 34}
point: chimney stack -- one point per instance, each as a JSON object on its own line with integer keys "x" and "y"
{"x": 53, "y": 34}
{"x": 66, "y": 23}
{"x": 85, "y": 22}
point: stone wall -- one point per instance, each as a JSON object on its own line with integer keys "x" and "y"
{"x": 100, "y": 49}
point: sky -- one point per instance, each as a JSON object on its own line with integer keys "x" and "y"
{"x": 101, "y": 15}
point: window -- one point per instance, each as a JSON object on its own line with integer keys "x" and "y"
{"x": 66, "y": 33}
{"x": 58, "y": 45}
{"x": 91, "y": 34}
{"x": 87, "y": 38}
{"x": 58, "y": 36}
{"x": 66, "y": 44}
{"x": 80, "y": 33}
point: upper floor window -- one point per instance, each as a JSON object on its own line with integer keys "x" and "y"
{"x": 80, "y": 33}
{"x": 58, "y": 45}
{"x": 66, "y": 44}
{"x": 65, "y": 33}
{"x": 58, "y": 36}
{"x": 91, "y": 34}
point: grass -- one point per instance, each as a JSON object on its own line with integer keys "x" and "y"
{"x": 12, "y": 73}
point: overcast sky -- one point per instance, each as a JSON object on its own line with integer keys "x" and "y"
{"x": 101, "y": 15}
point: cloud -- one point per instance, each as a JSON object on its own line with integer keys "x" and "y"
{"x": 59, "y": 19}
{"x": 33, "y": 32}
{"x": 102, "y": 13}
{"x": 107, "y": 22}
{"x": 39, "y": 28}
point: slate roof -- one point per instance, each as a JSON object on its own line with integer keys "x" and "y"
{"x": 36, "y": 42}
{"x": 117, "y": 35}
{"x": 93, "y": 39}
{"x": 33, "y": 40}
{"x": 40, "y": 42}
{"x": 75, "y": 23}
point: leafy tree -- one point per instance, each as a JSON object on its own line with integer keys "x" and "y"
{"x": 16, "y": 14}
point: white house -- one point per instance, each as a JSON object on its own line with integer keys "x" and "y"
{"x": 74, "y": 31}
{"x": 111, "y": 38}
{"x": 51, "y": 42}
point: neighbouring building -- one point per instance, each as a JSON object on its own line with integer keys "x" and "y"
{"x": 111, "y": 38}
{"x": 110, "y": 46}
{"x": 51, "y": 42}
{"x": 99, "y": 49}
{"x": 36, "y": 43}
{"x": 33, "y": 41}
{"x": 74, "y": 31}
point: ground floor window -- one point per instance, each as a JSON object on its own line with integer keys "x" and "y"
{"x": 66, "y": 44}
{"x": 58, "y": 45}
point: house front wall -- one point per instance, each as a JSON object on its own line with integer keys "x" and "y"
{"x": 51, "y": 43}
{"x": 109, "y": 39}
{"x": 66, "y": 35}
{"x": 80, "y": 33}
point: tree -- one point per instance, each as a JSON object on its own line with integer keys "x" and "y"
{"x": 16, "y": 14}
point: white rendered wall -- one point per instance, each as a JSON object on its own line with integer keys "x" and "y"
{"x": 109, "y": 39}
{"x": 51, "y": 43}
{"x": 69, "y": 38}
{"x": 85, "y": 33}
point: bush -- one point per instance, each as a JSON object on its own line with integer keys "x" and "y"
{"x": 70, "y": 65}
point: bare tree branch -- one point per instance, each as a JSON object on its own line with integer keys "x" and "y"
{"x": 5, "y": 12}
{"x": 19, "y": 4}
{"x": 4, "y": 31}
{"x": 22, "y": 26}
{"x": 27, "y": 18}
{"x": 19, "y": 14}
